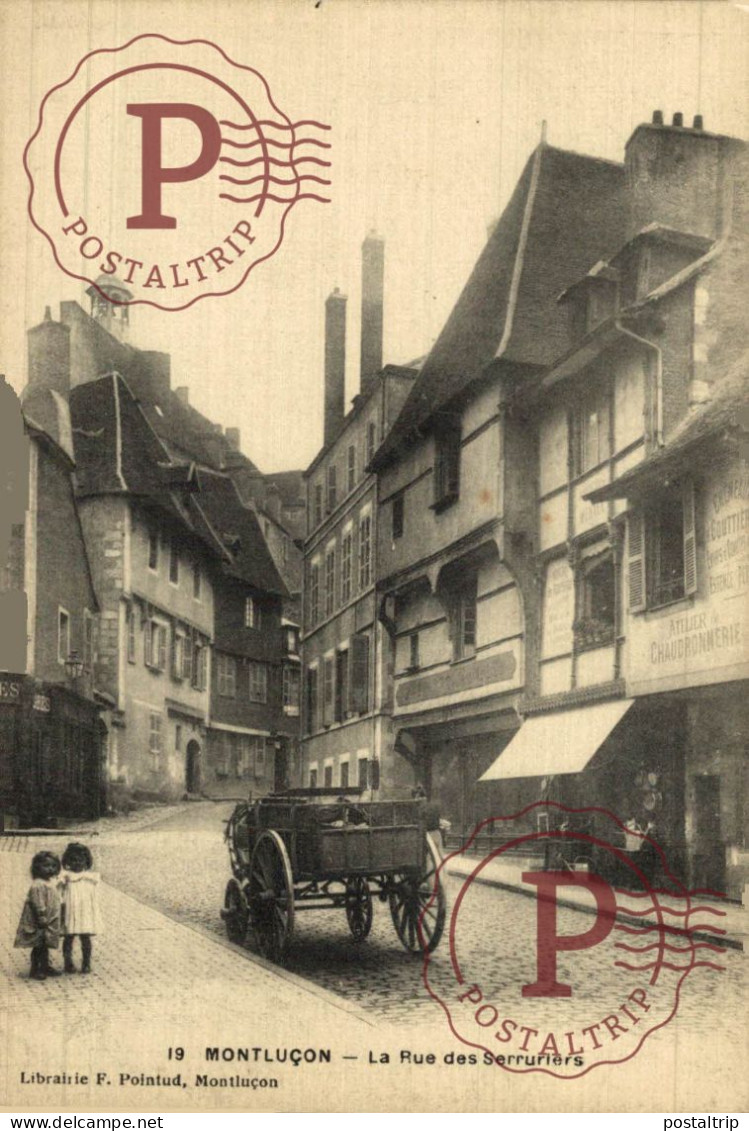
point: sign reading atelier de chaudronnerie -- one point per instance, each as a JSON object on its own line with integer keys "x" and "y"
{"x": 177, "y": 198}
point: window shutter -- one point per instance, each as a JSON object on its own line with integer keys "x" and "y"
{"x": 328, "y": 692}
{"x": 690, "y": 542}
{"x": 636, "y": 562}
{"x": 359, "y": 682}
{"x": 162, "y": 647}
{"x": 147, "y": 629}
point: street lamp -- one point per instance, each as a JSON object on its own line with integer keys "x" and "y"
{"x": 74, "y": 666}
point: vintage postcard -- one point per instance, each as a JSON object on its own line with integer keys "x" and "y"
{"x": 375, "y": 556}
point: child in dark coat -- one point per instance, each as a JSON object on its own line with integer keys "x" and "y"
{"x": 39, "y": 926}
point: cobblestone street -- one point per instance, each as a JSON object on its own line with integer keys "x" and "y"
{"x": 180, "y": 865}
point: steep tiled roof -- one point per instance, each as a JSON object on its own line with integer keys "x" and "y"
{"x": 118, "y": 452}
{"x": 724, "y": 414}
{"x": 238, "y": 524}
{"x": 564, "y": 215}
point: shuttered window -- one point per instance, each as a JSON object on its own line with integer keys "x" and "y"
{"x": 328, "y": 691}
{"x": 312, "y": 720}
{"x": 359, "y": 677}
{"x": 690, "y": 542}
{"x": 636, "y": 561}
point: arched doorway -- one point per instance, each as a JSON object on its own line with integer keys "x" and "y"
{"x": 192, "y": 767}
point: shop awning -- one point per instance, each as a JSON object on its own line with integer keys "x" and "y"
{"x": 561, "y": 742}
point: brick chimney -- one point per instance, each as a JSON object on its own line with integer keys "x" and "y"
{"x": 372, "y": 291}
{"x": 234, "y": 436}
{"x": 675, "y": 176}
{"x": 335, "y": 363}
{"x": 49, "y": 356}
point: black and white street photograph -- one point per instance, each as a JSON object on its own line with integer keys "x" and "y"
{"x": 374, "y": 556}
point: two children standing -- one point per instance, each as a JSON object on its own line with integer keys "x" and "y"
{"x": 63, "y": 900}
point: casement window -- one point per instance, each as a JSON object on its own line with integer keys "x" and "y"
{"x": 259, "y": 746}
{"x": 227, "y": 676}
{"x": 662, "y": 551}
{"x": 291, "y": 639}
{"x": 153, "y": 549}
{"x": 344, "y": 775}
{"x": 328, "y": 671}
{"x": 258, "y": 682}
{"x": 590, "y": 432}
{"x": 187, "y": 660}
{"x": 174, "y": 561}
{"x": 63, "y": 635}
{"x": 463, "y": 618}
{"x": 130, "y": 630}
{"x": 290, "y": 689}
{"x": 595, "y": 622}
{"x": 341, "y": 685}
{"x": 397, "y": 516}
{"x": 197, "y": 581}
{"x": 346, "y": 565}
{"x": 314, "y": 594}
{"x": 371, "y": 440}
{"x": 155, "y": 740}
{"x": 199, "y": 666}
{"x": 447, "y": 464}
{"x": 327, "y": 775}
{"x": 359, "y": 677}
{"x": 178, "y": 655}
{"x": 332, "y": 498}
{"x": 154, "y": 645}
{"x": 363, "y": 773}
{"x": 313, "y": 777}
{"x": 253, "y": 613}
{"x": 311, "y": 705}
{"x": 365, "y": 551}
{"x": 351, "y": 467}
{"x": 330, "y": 581}
{"x": 317, "y": 509}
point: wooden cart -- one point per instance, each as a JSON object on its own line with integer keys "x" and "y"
{"x": 315, "y": 849}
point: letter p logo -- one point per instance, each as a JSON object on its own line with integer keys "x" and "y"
{"x": 153, "y": 174}
{"x": 549, "y": 942}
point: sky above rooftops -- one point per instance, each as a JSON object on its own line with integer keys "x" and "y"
{"x": 435, "y": 108}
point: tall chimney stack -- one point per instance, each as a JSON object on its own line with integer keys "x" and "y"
{"x": 372, "y": 290}
{"x": 335, "y": 363}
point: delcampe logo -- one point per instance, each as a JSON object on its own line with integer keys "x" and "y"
{"x": 581, "y": 968}
{"x": 168, "y": 166}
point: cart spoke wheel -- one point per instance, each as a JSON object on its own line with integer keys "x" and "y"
{"x": 271, "y": 896}
{"x": 236, "y": 914}
{"x": 358, "y": 907}
{"x": 417, "y": 909}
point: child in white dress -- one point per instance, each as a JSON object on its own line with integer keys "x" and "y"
{"x": 80, "y": 895}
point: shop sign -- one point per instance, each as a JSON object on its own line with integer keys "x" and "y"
{"x": 711, "y": 634}
{"x": 10, "y": 690}
{"x": 41, "y": 703}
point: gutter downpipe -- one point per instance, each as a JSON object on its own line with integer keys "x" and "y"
{"x": 658, "y": 376}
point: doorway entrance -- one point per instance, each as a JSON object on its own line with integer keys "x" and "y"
{"x": 192, "y": 767}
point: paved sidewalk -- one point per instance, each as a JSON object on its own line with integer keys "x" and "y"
{"x": 145, "y": 964}
{"x": 732, "y": 926}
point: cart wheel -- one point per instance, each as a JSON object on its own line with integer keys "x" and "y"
{"x": 418, "y": 910}
{"x": 235, "y": 914}
{"x": 271, "y": 896}
{"x": 358, "y": 907}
